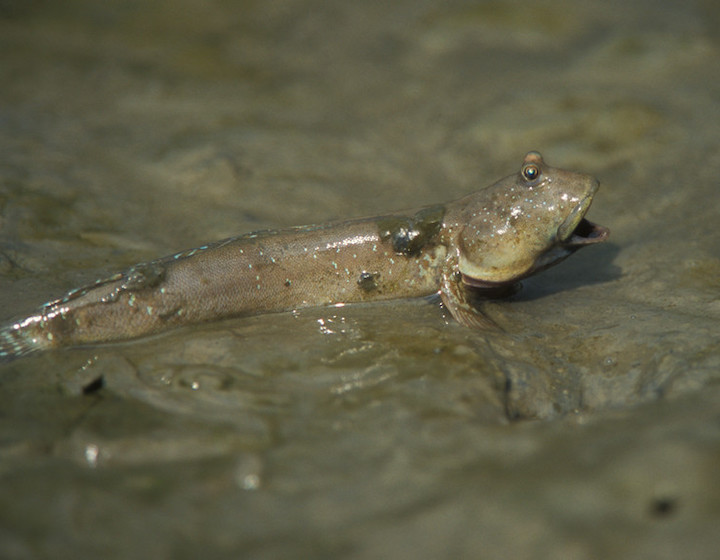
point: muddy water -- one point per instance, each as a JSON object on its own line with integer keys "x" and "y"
{"x": 586, "y": 427}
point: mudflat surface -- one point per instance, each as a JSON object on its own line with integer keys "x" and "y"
{"x": 588, "y": 427}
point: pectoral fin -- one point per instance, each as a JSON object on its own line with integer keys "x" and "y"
{"x": 459, "y": 301}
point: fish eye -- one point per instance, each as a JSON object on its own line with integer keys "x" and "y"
{"x": 530, "y": 172}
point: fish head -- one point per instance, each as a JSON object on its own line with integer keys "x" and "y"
{"x": 525, "y": 223}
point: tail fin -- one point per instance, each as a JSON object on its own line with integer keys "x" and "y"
{"x": 17, "y": 340}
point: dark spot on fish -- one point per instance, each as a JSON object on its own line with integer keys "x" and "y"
{"x": 410, "y": 234}
{"x": 368, "y": 281}
{"x": 145, "y": 275}
{"x": 139, "y": 277}
{"x": 288, "y": 283}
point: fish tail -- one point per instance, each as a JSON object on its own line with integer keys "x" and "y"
{"x": 18, "y": 339}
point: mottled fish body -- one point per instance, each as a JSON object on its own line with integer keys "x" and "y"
{"x": 485, "y": 241}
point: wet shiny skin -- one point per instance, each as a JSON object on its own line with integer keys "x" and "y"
{"x": 492, "y": 238}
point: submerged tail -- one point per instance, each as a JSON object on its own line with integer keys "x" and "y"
{"x": 20, "y": 339}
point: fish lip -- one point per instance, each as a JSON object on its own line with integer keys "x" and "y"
{"x": 484, "y": 284}
{"x": 576, "y": 230}
{"x": 586, "y": 233}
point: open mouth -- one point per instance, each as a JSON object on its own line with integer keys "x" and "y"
{"x": 586, "y": 233}
{"x": 577, "y": 231}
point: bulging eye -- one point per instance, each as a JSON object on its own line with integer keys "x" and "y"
{"x": 530, "y": 172}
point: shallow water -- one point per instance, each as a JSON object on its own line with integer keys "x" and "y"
{"x": 586, "y": 427}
